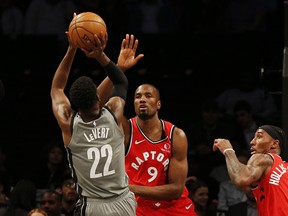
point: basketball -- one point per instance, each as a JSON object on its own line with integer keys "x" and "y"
{"x": 83, "y": 27}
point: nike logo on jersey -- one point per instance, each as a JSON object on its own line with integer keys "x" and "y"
{"x": 188, "y": 207}
{"x": 138, "y": 142}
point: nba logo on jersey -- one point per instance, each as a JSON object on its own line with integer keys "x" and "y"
{"x": 94, "y": 123}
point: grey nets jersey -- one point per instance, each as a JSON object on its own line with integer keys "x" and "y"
{"x": 96, "y": 156}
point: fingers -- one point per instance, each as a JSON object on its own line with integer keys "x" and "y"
{"x": 131, "y": 41}
{"x": 221, "y": 144}
{"x": 127, "y": 39}
{"x": 135, "y": 45}
{"x": 139, "y": 57}
{"x": 214, "y": 148}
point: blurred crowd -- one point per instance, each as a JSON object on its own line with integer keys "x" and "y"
{"x": 230, "y": 109}
{"x": 38, "y": 17}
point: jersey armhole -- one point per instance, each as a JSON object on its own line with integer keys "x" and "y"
{"x": 72, "y": 122}
{"x": 130, "y": 137}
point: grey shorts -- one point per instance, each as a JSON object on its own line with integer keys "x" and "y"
{"x": 123, "y": 205}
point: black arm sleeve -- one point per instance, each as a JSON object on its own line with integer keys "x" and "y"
{"x": 119, "y": 80}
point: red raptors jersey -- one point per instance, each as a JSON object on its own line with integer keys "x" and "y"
{"x": 147, "y": 164}
{"x": 272, "y": 191}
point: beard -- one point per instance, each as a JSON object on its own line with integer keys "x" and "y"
{"x": 144, "y": 116}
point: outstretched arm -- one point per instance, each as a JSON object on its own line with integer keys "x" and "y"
{"x": 240, "y": 174}
{"x": 60, "y": 103}
{"x": 120, "y": 83}
{"x": 126, "y": 60}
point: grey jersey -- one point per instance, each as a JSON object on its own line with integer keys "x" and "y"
{"x": 96, "y": 154}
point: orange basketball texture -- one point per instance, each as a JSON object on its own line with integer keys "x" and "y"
{"x": 83, "y": 27}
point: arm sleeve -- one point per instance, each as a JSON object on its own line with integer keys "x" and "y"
{"x": 119, "y": 80}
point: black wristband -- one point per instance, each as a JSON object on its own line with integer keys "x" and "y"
{"x": 119, "y": 80}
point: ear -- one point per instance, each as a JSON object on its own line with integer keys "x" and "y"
{"x": 158, "y": 104}
{"x": 275, "y": 144}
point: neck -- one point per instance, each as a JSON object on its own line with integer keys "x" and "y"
{"x": 152, "y": 128}
{"x": 89, "y": 116}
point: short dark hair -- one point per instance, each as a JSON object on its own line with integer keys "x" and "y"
{"x": 51, "y": 191}
{"x": 67, "y": 174}
{"x": 194, "y": 184}
{"x": 83, "y": 93}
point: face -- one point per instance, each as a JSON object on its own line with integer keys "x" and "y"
{"x": 55, "y": 155}
{"x": 146, "y": 101}
{"x": 50, "y": 203}
{"x": 69, "y": 193}
{"x": 243, "y": 118}
{"x": 210, "y": 117}
{"x": 201, "y": 196}
{"x": 262, "y": 142}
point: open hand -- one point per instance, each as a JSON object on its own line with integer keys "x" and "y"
{"x": 126, "y": 58}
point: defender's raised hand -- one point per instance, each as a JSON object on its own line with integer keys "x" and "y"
{"x": 126, "y": 58}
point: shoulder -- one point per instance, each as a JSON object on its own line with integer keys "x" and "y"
{"x": 261, "y": 161}
{"x": 178, "y": 132}
{"x": 115, "y": 103}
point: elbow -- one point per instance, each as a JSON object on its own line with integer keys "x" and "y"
{"x": 177, "y": 196}
{"x": 176, "y": 193}
{"x": 240, "y": 183}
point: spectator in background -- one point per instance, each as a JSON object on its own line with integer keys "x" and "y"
{"x": 53, "y": 163}
{"x": 199, "y": 193}
{"x": 150, "y": 10}
{"x": 11, "y": 17}
{"x": 37, "y": 212}
{"x": 49, "y": 18}
{"x": 202, "y": 132}
{"x": 50, "y": 202}
{"x": 22, "y": 198}
{"x": 250, "y": 16}
{"x": 69, "y": 194}
{"x": 248, "y": 88}
{"x": 248, "y": 124}
{"x": 232, "y": 200}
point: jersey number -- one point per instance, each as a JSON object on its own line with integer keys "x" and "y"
{"x": 96, "y": 154}
{"x": 152, "y": 171}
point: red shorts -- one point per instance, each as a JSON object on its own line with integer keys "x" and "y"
{"x": 181, "y": 207}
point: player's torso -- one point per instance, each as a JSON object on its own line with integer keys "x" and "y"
{"x": 147, "y": 161}
{"x": 272, "y": 192}
{"x": 96, "y": 155}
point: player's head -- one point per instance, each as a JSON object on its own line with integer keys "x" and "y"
{"x": 269, "y": 138}
{"x": 146, "y": 101}
{"x": 83, "y": 93}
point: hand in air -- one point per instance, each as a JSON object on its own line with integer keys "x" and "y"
{"x": 97, "y": 46}
{"x": 126, "y": 58}
{"x": 221, "y": 144}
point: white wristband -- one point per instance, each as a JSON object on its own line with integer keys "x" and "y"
{"x": 228, "y": 149}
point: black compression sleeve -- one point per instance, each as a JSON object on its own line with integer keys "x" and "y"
{"x": 119, "y": 80}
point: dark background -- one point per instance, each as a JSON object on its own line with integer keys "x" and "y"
{"x": 187, "y": 67}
